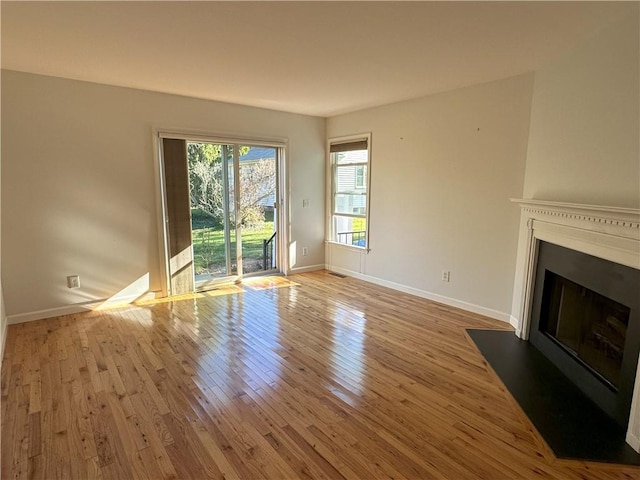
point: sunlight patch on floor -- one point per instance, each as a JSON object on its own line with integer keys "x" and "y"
{"x": 255, "y": 283}
{"x": 269, "y": 282}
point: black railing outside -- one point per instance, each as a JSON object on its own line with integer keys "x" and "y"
{"x": 268, "y": 253}
{"x": 353, "y": 238}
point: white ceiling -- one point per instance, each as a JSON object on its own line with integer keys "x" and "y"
{"x": 316, "y": 58}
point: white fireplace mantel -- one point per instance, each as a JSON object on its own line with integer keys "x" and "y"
{"x": 612, "y": 233}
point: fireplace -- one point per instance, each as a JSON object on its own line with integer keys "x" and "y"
{"x": 585, "y": 318}
{"x": 576, "y": 299}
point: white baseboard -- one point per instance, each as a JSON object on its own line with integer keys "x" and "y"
{"x": 515, "y": 323}
{"x": 470, "y": 307}
{"x": 77, "y": 308}
{"x": 310, "y": 268}
{"x": 633, "y": 441}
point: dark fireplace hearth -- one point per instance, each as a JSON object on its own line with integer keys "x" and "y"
{"x": 586, "y": 319}
{"x": 570, "y": 424}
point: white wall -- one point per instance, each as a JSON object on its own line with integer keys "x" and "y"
{"x": 78, "y": 187}
{"x": 443, "y": 170}
{"x": 3, "y": 315}
{"x": 585, "y": 130}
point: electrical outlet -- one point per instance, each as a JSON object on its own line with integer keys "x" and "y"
{"x": 446, "y": 275}
{"x": 305, "y": 203}
{"x": 73, "y": 281}
{"x": 305, "y": 251}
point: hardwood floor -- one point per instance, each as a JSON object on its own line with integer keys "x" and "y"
{"x": 308, "y": 377}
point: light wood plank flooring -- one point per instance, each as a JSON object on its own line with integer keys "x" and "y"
{"x": 311, "y": 377}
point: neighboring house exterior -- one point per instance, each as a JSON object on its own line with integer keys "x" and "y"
{"x": 351, "y": 182}
{"x": 258, "y": 154}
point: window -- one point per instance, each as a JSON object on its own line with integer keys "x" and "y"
{"x": 350, "y": 168}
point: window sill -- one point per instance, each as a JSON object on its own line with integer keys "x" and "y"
{"x": 364, "y": 250}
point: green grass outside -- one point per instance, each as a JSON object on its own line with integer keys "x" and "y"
{"x": 208, "y": 245}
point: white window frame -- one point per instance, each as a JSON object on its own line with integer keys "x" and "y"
{"x": 331, "y": 192}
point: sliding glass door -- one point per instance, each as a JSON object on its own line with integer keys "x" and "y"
{"x": 232, "y": 200}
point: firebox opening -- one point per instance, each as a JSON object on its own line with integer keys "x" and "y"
{"x": 589, "y": 326}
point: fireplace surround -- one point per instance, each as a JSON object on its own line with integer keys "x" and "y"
{"x": 607, "y": 233}
{"x": 585, "y": 318}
